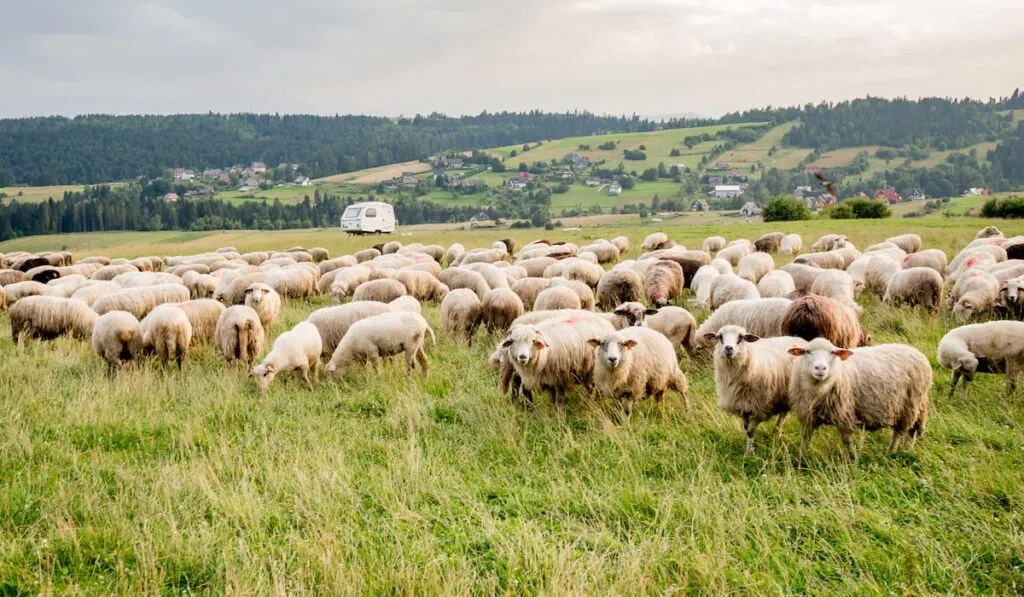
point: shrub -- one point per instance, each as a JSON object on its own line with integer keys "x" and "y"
{"x": 840, "y": 212}
{"x": 634, "y": 154}
{"x": 786, "y": 208}
{"x": 1010, "y": 207}
{"x": 866, "y": 209}
{"x": 674, "y": 153}
{"x": 607, "y": 146}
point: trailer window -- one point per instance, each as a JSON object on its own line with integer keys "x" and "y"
{"x": 371, "y": 212}
{"x": 351, "y": 213}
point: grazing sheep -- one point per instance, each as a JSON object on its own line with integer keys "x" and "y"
{"x": 675, "y": 323}
{"x": 455, "y": 251}
{"x": 3, "y": 299}
{"x": 109, "y": 272}
{"x": 239, "y": 334}
{"x": 421, "y": 285}
{"x": 20, "y": 290}
{"x": 740, "y": 242}
{"x": 495, "y": 277}
{"x": 12, "y": 276}
{"x": 826, "y": 260}
{"x": 265, "y": 301}
{"x": 553, "y": 355}
{"x": 972, "y": 256}
{"x": 830, "y": 242}
{"x": 575, "y": 268}
{"x": 97, "y": 259}
{"x": 882, "y": 246}
{"x": 769, "y": 243}
{"x": 663, "y": 282}
{"x": 116, "y": 338}
{"x": 733, "y": 254}
{"x": 43, "y": 274}
{"x": 297, "y": 283}
{"x": 345, "y": 281}
{"x": 877, "y": 273}
{"x": 654, "y": 241}
{"x": 752, "y": 377}
{"x": 29, "y": 262}
{"x": 295, "y": 350}
{"x": 333, "y": 322}
{"x": 622, "y": 244}
{"x": 319, "y": 254}
{"x": 911, "y": 243}
{"x": 366, "y": 255}
{"x": 634, "y": 363}
{"x": 836, "y": 285}
{"x": 481, "y": 256}
{"x": 605, "y": 252}
{"x": 803, "y": 275}
{"x": 723, "y": 266}
{"x": 500, "y": 307}
{"x": 203, "y": 314}
{"x": 337, "y": 263}
{"x": 791, "y": 244}
{"x": 776, "y": 284}
{"x": 536, "y": 266}
{"x": 713, "y": 244}
{"x": 166, "y": 331}
{"x": 915, "y": 286}
{"x": 557, "y": 297}
{"x": 761, "y": 317}
{"x": 867, "y": 388}
{"x": 689, "y": 261}
{"x": 383, "y": 291}
{"x": 816, "y": 316}
{"x": 528, "y": 288}
{"x": 200, "y": 286}
{"x": 89, "y": 292}
{"x": 700, "y": 284}
{"x": 586, "y": 295}
{"x": 255, "y": 258}
{"x": 752, "y": 267}
{"x": 973, "y": 295}
{"x": 988, "y": 232}
{"x": 231, "y": 289}
{"x": 619, "y": 286}
{"x": 47, "y": 317}
{"x": 730, "y": 287}
{"x": 462, "y": 313}
{"x": 383, "y": 335}
{"x": 993, "y": 347}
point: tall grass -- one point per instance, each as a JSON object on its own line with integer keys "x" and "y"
{"x": 167, "y": 481}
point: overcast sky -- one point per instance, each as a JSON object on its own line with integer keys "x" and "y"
{"x": 400, "y": 57}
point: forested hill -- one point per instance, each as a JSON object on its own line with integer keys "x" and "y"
{"x": 98, "y": 148}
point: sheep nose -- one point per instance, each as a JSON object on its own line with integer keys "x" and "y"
{"x": 729, "y": 350}
{"x": 522, "y": 358}
{"x": 613, "y": 360}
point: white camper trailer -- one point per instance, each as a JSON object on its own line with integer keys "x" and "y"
{"x": 369, "y": 218}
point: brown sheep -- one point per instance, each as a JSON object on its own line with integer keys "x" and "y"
{"x": 813, "y": 316}
{"x": 663, "y": 282}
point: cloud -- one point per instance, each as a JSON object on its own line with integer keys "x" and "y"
{"x": 460, "y": 56}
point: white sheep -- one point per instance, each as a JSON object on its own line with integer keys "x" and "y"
{"x": 992, "y": 347}
{"x": 733, "y": 254}
{"x": 621, "y": 243}
{"x": 761, "y": 317}
{"x": 791, "y": 244}
{"x": 933, "y": 258}
{"x": 345, "y": 281}
{"x": 754, "y": 266}
{"x": 383, "y": 290}
{"x": 877, "y": 272}
{"x": 974, "y": 294}
{"x": 333, "y": 322}
{"x": 203, "y": 314}
{"x": 383, "y": 335}
{"x": 501, "y": 306}
{"x": 675, "y": 323}
{"x": 654, "y": 241}
{"x": 166, "y": 331}
{"x": 730, "y": 287}
{"x": 239, "y": 334}
{"x": 700, "y": 284}
{"x": 265, "y": 301}
{"x": 915, "y": 286}
{"x": 637, "y": 362}
{"x": 47, "y": 317}
{"x": 462, "y": 313}
{"x": 584, "y": 292}
{"x": 911, "y": 243}
{"x": 116, "y": 338}
{"x": 838, "y": 286}
{"x": 619, "y": 286}
{"x": 713, "y": 244}
{"x": 865, "y": 388}
{"x": 557, "y": 297}
{"x": 295, "y": 350}
{"x": 752, "y": 376}
{"x": 776, "y": 284}
{"x": 19, "y": 290}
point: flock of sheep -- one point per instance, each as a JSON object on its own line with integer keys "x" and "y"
{"x": 786, "y": 339}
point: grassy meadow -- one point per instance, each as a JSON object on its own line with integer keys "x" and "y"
{"x": 167, "y": 481}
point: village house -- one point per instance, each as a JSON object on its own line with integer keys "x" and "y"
{"x": 594, "y": 181}
{"x": 699, "y": 205}
{"x": 812, "y": 170}
{"x": 482, "y": 216}
{"x": 726, "y": 191}
{"x": 889, "y": 195}
{"x": 259, "y": 167}
{"x": 409, "y": 180}
{"x": 737, "y": 174}
{"x": 720, "y": 166}
{"x": 455, "y": 163}
{"x": 184, "y": 174}
{"x": 917, "y": 194}
{"x": 224, "y": 177}
{"x": 171, "y": 197}
{"x": 615, "y": 188}
{"x": 801, "y": 190}
{"x": 975, "y": 192}
{"x": 576, "y": 161}
{"x": 749, "y": 210}
{"x": 212, "y": 173}
{"x": 715, "y": 180}
{"x": 303, "y": 181}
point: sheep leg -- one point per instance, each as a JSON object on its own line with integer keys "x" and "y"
{"x": 410, "y": 360}
{"x": 627, "y": 407}
{"x": 421, "y": 356}
{"x": 846, "y": 434}
{"x": 305, "y": 376}
{"x": 1011, "y": 377}
{"x": 956, "y": 379}
{"x": 806, "y": 433}
{"x": 750, "y": 425}
{"x": 898, "y": 437}
{"x": 780, "y": 421}
{"x": 315, "y": 368}
{"x": 963, "y": 386}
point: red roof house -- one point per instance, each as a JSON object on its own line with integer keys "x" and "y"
{"x": 889, "y": 195}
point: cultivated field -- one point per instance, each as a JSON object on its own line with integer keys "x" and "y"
{"x": 378, "y": 174}
{"x": 747, "y": 155}
{"x": 37, "y": 194}
{"x": 160, "y": 481}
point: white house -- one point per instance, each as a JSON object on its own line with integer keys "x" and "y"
{"x": 726, "y": 191}
{"x": 615, "y": 188}
{"x": 303, "y": 181}
{"x": 749, "y": 209}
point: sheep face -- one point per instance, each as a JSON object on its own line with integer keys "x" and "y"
{"x": 264, "y": 375}
{"x": 634, "y": 313}
{"x": 257, "y": 292}
{"x": 819, "y": 359}
{"x": 731, "y": 342}
{"x": 612, "y": 350}
{"x": 524, "y": 344}
{"x": 1012, "y": 291}
{"x": 964, "y": 310}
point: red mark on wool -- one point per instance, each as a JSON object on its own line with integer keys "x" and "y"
{"x": 572, "y": 319}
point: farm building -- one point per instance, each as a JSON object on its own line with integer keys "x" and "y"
{"x": 699, "y": 205}
{"x": 726, "y": 191}
{"x": 615, "y": 189}
{"x": 889, "y": 195}
{"x": 749, "y": 209}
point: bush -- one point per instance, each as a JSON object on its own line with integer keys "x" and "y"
{"x": 1011, "y": 207}
{"x": 786, "y": 208}
{"x": 634, "y": 154}
{"x": 643, "y": 148}
{"x": 867, "y": 209}
{"x": 840, "y": 212}
{"x": 607, "y": 146}
{"x": 650, "y": 174}
{"x": 674, "y": 153}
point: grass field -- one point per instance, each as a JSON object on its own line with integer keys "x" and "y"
{"x": 284, "y": 194}
{"x": 161, "y": 481}
{"x": 37, "y": 194}
{"x": 378, "y": 174}
{"x": 747, "y": 155}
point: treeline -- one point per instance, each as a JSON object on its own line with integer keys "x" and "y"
{"x": 133, "y": 207}
{"x": 100, "y": 148}
{"x": 930, "y": 122}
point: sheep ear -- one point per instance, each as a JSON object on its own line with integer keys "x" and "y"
{"x": 619, "y": 312}
{"x": 594, "y": 342}
{"x": 750, "y": 338}
{"x": 265, "y": 290}
{"x": 629, "y": 344}
{"x": 540, "y": 344}
{"x": 651, "y": 312}
{"x": 710, "y": 336}
{"x": 271, "y": 368}
{"x": 842, "y": 353}
{"x": 797, "y": 351}
{"x": 506, "y": 343}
